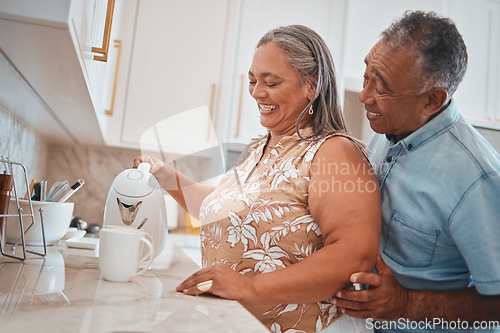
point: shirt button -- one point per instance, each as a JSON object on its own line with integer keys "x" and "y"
{"x": 410, "y": 146}
{"x": 389, "y": 159}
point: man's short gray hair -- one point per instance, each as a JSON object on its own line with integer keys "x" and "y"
{"x": 440, "y": 50}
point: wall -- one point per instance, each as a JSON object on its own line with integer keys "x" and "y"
{"x": 98, "y": 166}
{"x": 355, "y": 117}
{"x": 492, "y": 136}
{"x": 20, "y": 143}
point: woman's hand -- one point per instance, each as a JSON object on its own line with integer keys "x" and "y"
{"x": 156, "y": 164}
{"x": 161, "y": 172}
{"x": 226, "y": 283}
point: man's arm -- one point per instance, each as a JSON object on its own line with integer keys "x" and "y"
{"x": 386, "y": 299}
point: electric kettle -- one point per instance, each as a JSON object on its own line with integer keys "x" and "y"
{"x": 134, "y": 196}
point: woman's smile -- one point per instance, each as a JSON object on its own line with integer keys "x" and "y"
{"x": 267, "y": 108}
{"x": 278, "y": 90}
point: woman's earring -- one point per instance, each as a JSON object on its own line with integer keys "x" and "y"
{"x": 311, "y": 110}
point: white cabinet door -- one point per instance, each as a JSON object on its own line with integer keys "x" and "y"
{"x": 258, "y": 17}
{"x": 87, "y": 23}
{"x": 116, "y": 75}
{"x": 478, "y": 95}
{"x": 43, "y": 46}
{"x": 174, "y": 76}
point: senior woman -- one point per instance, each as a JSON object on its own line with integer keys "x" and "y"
{"x": 284, "y": 231}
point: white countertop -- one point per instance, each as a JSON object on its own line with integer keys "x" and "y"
{"x": 65, "y": 293}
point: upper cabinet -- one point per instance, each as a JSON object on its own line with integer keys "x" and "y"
{"x": 478, "y": 96}
{"x": 169, "y": 96}
{"x": 49, "y": 44}
{"x": 176, "y": 75}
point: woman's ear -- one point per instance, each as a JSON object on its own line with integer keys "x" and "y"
{"x": 311, "y": 86}
{"x": 435, "y": 101}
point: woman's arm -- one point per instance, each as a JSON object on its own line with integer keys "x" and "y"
{"x": 344, "y": 200}
{"x": 188, "y": 194}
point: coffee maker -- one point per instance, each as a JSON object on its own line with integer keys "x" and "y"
{"x": 135, "y": 196}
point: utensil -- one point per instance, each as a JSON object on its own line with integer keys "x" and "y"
{"x": 43, "y": 190}
{"x": 29, "y": 191}
{"x": 57, "y": 189}
{"x": 37, "y": 190}
{"x": 142, "y": 223}
{"x": 75, "y": 187}
{"x": 6, "y": 182}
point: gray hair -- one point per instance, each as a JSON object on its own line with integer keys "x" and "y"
{"x": 440, "y": 50}
{"x": 309, "y": 55}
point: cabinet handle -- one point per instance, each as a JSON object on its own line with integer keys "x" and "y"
{"x": 118, "y": 45}
{"x": 107, "y": 32}
{"x": 240, "y": 106}
{"x": 212, "y": 104}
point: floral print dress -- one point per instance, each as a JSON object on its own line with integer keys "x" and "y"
{"x": 260, "y": 223}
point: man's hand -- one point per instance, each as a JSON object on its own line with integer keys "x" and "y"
{"x": 384, "y": 300}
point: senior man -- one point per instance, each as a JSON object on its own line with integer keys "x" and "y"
{"x": 440, "y": 186}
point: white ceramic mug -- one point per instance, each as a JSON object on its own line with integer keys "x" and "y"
{"x": 120, "y": 253}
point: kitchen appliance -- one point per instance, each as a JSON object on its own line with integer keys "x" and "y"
{"x": 134, "y": 196}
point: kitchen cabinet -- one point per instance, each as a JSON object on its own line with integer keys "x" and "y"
{"x": 49, "y": 45}
{"x": 116, "y": 75}
{"x": 174, "y": 77}
{"x": 478, "y": 95}
{"x": 256, "y": 18}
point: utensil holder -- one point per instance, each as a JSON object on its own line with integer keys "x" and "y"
{"x": 6, "y": 218}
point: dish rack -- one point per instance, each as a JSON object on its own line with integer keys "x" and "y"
{"x": 11, "y": 167}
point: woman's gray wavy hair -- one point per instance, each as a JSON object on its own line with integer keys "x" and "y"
{"x": 309, "y": 55}
{"x": 440, "y": 50}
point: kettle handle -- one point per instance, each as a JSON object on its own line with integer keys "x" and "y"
{"x": 144, "y": 167}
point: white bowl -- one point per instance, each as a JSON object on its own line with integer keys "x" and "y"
{"x": 56, "y": 220}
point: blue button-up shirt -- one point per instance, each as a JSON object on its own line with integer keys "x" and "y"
{"x": 440, "y": 191}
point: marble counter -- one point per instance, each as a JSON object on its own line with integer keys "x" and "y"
{"x": 65, "y": 293}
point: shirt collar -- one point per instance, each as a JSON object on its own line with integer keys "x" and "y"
{"x": 433, "y": 128}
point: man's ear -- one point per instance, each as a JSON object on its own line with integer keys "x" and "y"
{"x": 435, "y": 101}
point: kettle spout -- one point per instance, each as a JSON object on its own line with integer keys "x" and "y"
{"x": 128, "y": 212}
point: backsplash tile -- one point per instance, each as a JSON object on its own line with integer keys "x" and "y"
{"x": 20, "y": 143}
{"x": 97, "y": 165}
